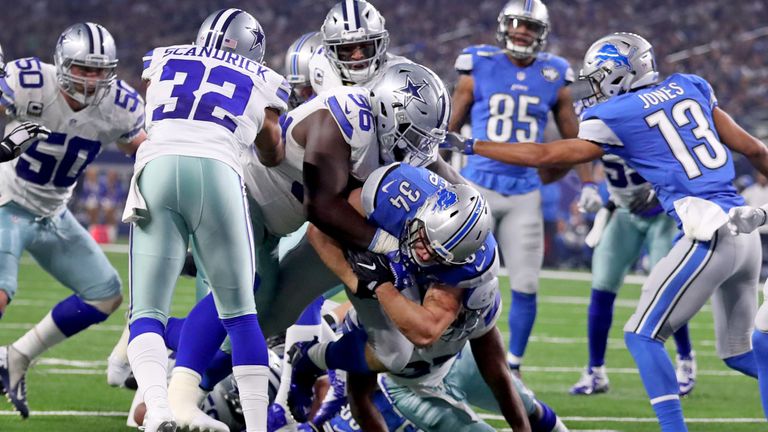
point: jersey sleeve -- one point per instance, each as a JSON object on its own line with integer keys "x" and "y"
{"x": 593, "y": 128}
{"x": 23, "y": 83}
{"x": 276, "y": 91}
{"x": 465, "y": 62}
{"x": 351, "y": 109}
{"x": 130, "y": 108}
{"x": 152, "y": 61}
{"x": 705, "y": 88}
{"x": 372, "y": 186}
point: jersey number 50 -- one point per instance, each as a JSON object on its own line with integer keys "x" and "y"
{"x": 501, "y": 124}
{"x": 184, "y": 93}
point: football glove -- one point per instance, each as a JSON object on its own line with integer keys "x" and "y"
{"x": 457, "y": 143}
{"x": 372, "y": 271}
{"x": 745, "y": 219}
{"x": 644, "y": 201}
{"x": 589, "y": 199}
{"x": 20, "y": 138}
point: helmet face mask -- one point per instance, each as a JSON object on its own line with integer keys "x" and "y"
{"x": 408, "y": 143}
{"x": 86, "y": 62}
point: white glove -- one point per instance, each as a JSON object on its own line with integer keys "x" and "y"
{"x": 746, "y": 219}
{"x": 21, "y": 137}
{"x": 589, "y": 200}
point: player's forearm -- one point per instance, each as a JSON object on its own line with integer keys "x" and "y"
{"x": 336, "y": 218}
{"x": 419, "y": 325}
{"x": 446, "y": 171}
{"x": 584, "y": 171}
{"x": 269, "y": 146}
{"x": 332, "y": 256}
{"x": 526, "y": 154}
{"x": 368, "y": 417}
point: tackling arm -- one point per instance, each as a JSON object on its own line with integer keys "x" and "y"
{"x": 489, "y": 354}
{"x": 565, "y": 152}
{"x": 269, "y": 147}
{"x": 326, "y": 175}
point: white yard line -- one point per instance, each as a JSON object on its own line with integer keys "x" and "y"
{"x": 69, "y": 413}
{"x": 641, "y": 419}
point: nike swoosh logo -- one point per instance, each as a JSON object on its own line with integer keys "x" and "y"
{"x": 386, "y": 186}
{"x": 347, "y": 110}
{"x": 479, "y": 267}
{"x": 368, "y": 266}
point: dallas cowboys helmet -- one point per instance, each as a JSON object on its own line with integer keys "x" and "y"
{"x": 453, "y": 222}
{"x": 90, "y": 47}
{"x": 412, "y": 108}
{"x": 534, "y": 16}
{"x": 618, "y": 63}
{"x": 297, "y": 66}
{"x": 352, "y": 25}
{"x": 233, "y": 30}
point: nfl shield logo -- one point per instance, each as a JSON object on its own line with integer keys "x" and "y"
{"x": 520, "y": 76}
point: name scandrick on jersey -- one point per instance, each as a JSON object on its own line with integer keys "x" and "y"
{"x": 225, "y": 56}
{"x": 662, "y": 94}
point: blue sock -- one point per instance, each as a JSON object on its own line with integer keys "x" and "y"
{"x": 72, "y": 315}
{"x": 248, "y": 344}
{"x": 683, "y": 342}
{"x": 745, "y": 363}
{"x": 145, "y": 325}
{"x": 312, "y": 314}
{"x": 760, "y": 348}
{"x": 201, "y": 336}
{"x": 348, "y": 352}
{"x": 522, "y": 314}
{"x": 658, "y": 376}
{"x": 219, "y": 368}
{"x": 173, "y": 333}
{"x": 546, "y": 422}
{"x": 599, "y": 320}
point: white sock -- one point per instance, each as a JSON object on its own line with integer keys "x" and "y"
{"x": 317, "y": 355}
{"x": 295, "y": 333}
{"x": 149, "y": 360}
{"x": 120, "y": 351}
{"x": 42, "y": 336}
{"x": 253, "y": 385}
{"x": 184, "y": 393}
{"x": 326, "y": 332}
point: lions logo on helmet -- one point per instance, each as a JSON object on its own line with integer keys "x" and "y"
{"x": 412, "y": 108}
{"x": 86, "y": 46}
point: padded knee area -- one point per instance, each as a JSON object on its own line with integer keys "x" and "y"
{"x": 108, "y": 305}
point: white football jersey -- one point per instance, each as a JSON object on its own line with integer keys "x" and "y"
{"x": 205, "y": 102}
{"x": 351, "y": 109}
{"x": 624, "y": 183}
{"x": 43, "y": 177}
{"x": 324, "y": 76}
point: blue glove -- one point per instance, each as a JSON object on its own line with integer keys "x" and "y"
{"x": 457, "y": 143}
{"x": 401, "y": 268}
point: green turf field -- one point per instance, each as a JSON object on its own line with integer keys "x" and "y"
{"x": 68, "y": 391}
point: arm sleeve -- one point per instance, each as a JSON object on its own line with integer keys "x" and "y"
{"x": 595, "y": 130}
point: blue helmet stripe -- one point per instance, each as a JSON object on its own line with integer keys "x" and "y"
{"x": 528, "y": 6}
{"x": 213, "y": 26}
{"x": 295, "y": 55}
{"x": 357, "y": 13}
{"x": 101, "y": 37}
{"x": 468, "y": 225}
{"x": 344, "y": 15}
{"x": 91, "y": 49}
{"x": 224, "y": 27}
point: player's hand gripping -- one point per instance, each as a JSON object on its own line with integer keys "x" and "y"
{"x": 457, "y": 143}
{"x": 589, "y": 199}
{"x": 20, "y": 138}
{"x": 745, "y": 219}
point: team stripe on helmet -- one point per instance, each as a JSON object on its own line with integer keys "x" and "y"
{"x": 295, "y": 55}
{"x": 528, "y": 6}
{"x": 356, "y": 10}
{"x": 91, "y": 45}
{"x": 227, "y": 21}
{"x": 344, "y": 16}
{"x": 208, "y": 40}
{"x": 101, "y": 37}
{"x": 470, "y": 223}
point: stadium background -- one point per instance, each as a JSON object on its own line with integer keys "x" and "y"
{"x": 725, "y": 42}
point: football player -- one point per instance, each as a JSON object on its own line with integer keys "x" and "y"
{"x": 297, "y": 70}
{"x": 635, "y": 219}
{"x": 84, "y": 106}
{"x": 209, "y": 102}
{"x": 510, "y": 90}
{"x": 674, "y": 134}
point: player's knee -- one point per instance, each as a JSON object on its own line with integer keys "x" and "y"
{"x": 526, "y": 285}
{"x": 761, "y": 319}
{"x": 107, "y": 305}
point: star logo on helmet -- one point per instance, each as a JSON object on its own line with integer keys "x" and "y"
{"x": 258, "y": 38}
{"x": 412, "y": 91}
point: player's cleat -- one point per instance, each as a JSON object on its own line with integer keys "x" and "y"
{"x": 280, "y": 420}
{"x": 118, "y": 371}
{"x": 334, "y": 400}
{"x": 594, "y": 380}
{"x": 159, "y": 424}
{"x": 303, "y": 377}
{"x": 16, "y": 392}
{"x": 686, "y": 374}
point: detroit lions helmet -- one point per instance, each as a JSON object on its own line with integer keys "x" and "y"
{"x": 453, "y": 222}
{"x": 297, "y": 66}
{"x": 233, "y": 30}
{"x": 91, "y": 49}
{"x": 352, "y": 26}
{"x": 534, "y": 16}
{"x": 412, "y": 108}
{"x": 618, "y": 63}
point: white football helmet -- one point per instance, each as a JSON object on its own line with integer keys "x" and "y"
{"x": 352, "y": 26}
{"x": 412, "y": 108}
{"x": 618, "y": 63}
{"x": 233, "y": 30}
{"x": 531, "y": 14}
{"x": 91, "y": 49}
{"x": 297, "y": 66}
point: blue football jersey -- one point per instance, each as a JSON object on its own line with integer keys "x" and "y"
{"x": 391, "y": 197}
{"x": 666, "y": 133}
{"x": 344, "y": 422}
{"x": 511, "y": 104}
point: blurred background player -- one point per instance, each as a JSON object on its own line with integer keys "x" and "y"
{"x": 636, "y": 220}
{"x": 297, "y": 71}
{"x": 509, "y": 92}
{"x": 85, "y": 107}
{"x": 196, "y": 141}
